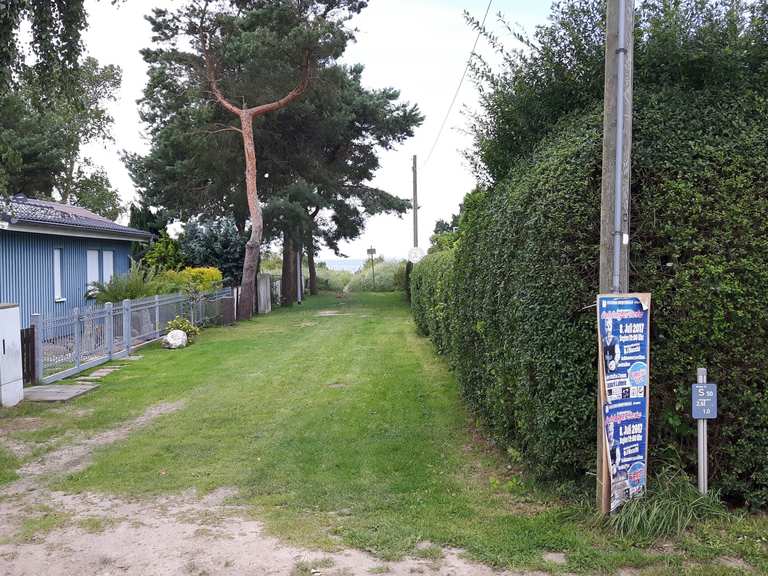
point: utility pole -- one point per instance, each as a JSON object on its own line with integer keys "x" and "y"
{"x": 415, "y": 204}
{"x": 614, "y": 207}
{"x": 372, "y": 253}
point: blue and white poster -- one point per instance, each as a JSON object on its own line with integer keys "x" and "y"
{"x": 624, "y": 363}
{"x": 625, "y": 436}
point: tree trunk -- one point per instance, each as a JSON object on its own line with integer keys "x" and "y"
{"x": 312, "y": 271}
{"x": 288, "y": 281}
{"x": 311, "y": 253}
{"x": 253, "y": 246}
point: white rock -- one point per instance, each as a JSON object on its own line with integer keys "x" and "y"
{"x": 175, "y": 339}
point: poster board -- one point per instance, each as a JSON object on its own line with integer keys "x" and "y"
{"x": 624, "y": 354}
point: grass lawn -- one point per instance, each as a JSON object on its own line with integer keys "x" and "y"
{"x": 347, "y": 431}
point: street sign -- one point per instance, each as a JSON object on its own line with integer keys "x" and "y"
{"x": 371, "y": 251}
{"x": 704, "y": 401}
{"x": 415, "y": 255}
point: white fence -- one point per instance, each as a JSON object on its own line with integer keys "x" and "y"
{"x": 67, "y": 345}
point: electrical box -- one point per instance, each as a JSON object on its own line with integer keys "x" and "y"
{"x": 11, "y": 375}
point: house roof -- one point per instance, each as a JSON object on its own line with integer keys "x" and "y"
{"x": 20, "y": 211}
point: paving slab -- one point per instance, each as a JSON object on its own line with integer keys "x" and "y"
{"x": 101, "y": 372}
{"x": 134, "y": 358}
{"x": 57, "y": 392}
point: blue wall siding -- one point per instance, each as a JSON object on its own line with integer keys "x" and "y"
{"x": 26, "y": 270}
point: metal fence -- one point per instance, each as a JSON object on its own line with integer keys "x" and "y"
{"x": 67, "y": 345}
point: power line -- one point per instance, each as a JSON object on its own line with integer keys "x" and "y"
{"x": 461, "y": 82}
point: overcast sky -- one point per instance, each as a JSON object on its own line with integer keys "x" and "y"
{"x": 417, "y": 46}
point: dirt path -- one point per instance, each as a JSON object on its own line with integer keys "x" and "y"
{"x": 58, "y": 534}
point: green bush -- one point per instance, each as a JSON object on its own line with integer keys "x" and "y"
{"x": 389, "y": 277}
{"x": 516, "y": 319}
{"x": 335, "y": 280}
{"x": 431, "y": 292}
{"x": 193, "y": 280}
{"x": 140, "y": 282}
{"x": 183, "y": 324}
{"x": 164, "y": 254}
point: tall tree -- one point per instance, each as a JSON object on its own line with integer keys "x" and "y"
{"x": 56, "y": 29}
{"x": 42, "y": 134}
{"x": 84, "y": 118}
{"x": 275, "y": 42}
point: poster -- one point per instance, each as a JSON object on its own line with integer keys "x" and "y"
{"x": 625, "y": 437}
{"x": 624, "y": 349}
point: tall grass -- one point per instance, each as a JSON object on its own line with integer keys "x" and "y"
{"x": 670, "y": 506}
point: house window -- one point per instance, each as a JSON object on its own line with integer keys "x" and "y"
{"x": 109, "y": 265}
{"x": 92, "y": 274}
{"x": 57, "y": 295}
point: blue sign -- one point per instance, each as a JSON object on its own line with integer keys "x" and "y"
{"x": 624, "y": 346}
{"x": 704, "y": 401}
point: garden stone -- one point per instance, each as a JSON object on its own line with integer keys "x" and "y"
{"x": 175, "y": 339}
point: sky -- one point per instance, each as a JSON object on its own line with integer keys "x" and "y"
{"x": 417, "y": 46}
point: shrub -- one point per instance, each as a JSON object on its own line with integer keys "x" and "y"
{"x": 193, "y": 280}
{"x": 335, "y": 280}
{"x": 140, "y": 282}
{"x": 387, "y": 275}
{"x": 518, "y": 325}
{"x": 183, "y": 324}
{"x": 165, "y": 254}
{"x": 520, "y": 330}
{"x": 215, "y": 242}
{"x": 431, "y": 292}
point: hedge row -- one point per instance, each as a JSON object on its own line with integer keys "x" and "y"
{"x": 510, "y": 305}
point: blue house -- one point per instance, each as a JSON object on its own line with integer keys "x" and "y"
{"x": 50, "y": 253}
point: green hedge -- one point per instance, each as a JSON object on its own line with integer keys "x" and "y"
{"x": 431, "y": 292}
{"x": 511, "y": 305}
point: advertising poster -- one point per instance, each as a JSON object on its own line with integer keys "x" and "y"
{"x": 624, "y": 363}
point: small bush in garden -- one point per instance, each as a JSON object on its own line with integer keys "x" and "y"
{"x": 183, "y": 324}
{"x": 193, "y": 280}
{"x": 140, "y": 282}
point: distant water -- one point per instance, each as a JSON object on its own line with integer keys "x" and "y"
{"x": 349, "y": 264}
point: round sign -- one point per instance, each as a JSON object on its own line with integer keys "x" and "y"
{"x": 415, "y": 255}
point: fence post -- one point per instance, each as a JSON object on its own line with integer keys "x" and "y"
{"x": 109, "y": 328}
{"x": 127, "y": 326}
{"x": 157, "y": 316}
{"x": 37, "y": 324}
{"x": 78, "y": 337}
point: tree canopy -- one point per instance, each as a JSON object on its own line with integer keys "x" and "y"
{"x": 315, "y": 156}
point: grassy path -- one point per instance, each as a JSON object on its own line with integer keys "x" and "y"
{"x": 340, "y": 431}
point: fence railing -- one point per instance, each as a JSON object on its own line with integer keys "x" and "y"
{"x": 67, "y": 345}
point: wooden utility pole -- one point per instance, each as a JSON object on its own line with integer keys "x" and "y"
{"x": 415, "y": 204}
{"x": 614, "y": 211}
